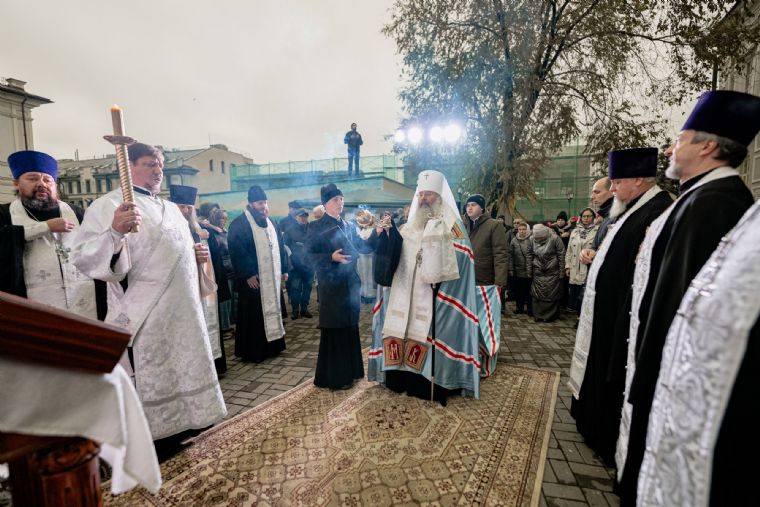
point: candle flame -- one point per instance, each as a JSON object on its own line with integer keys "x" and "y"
{"x": 115, "y": 108}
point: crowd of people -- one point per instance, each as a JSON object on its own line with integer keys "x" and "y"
{"x": 664, "y": 368}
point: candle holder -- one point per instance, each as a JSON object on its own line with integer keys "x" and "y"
{"x": 121, "y": 142}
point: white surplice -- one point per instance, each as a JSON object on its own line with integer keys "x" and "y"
{"x": 49, "y": 275}
{"x": 173, "y": 366}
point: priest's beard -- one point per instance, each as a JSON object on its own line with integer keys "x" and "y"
{"x": 424, "y": 213}
{"x": 618, "y": 208}
{"x": 35, "y": 203}
{"x": 258, "y": 217}
{"x": 673, "y": 172}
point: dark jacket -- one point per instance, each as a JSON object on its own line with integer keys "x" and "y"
{"x": 295, "y": 239}
{"x": 243, "y": 252}
{"x": 489, "y": 244}
{"x": 548, "y": 269}
{"x": 220, "y": 259}
{"x": 353, "y": 139}
{"x": 338, "y": 285}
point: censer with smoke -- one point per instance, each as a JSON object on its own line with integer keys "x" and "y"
{"x": 365, "y": 221}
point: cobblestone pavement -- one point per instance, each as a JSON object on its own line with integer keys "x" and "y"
{"x": 573, "y": 475}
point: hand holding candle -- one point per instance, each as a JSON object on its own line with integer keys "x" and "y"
{"x": 121, "y": 141}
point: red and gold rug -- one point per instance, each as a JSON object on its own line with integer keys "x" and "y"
{"x": 370, "y": 446}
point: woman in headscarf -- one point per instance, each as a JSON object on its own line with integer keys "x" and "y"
{"x": 581, "y": 238}
{"x": 521, "y": 267}
{"x": 548, "y": 270}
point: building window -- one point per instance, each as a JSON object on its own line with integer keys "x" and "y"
{"x": 99, "y": 186}
{"x": 108, "y": 184}
{"x": 70, "y": 185}
{"x": 79, "y": 187}
{"x": 211, "y": 165}
{"x": 88, "y": 186}
{"x": 222, "y": 166}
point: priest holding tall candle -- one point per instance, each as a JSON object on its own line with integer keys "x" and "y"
{"x": 153, "y": 293}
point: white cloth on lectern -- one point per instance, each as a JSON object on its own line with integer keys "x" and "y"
{"x": 43, "y": 401}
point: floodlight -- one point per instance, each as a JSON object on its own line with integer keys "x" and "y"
{"x": 415, "y": 135}
{"x": 400, "y": 136}
{"x": 436, "y": 134}
{"x": 452, "y": 133}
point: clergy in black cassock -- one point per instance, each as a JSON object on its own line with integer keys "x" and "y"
{"x": 36, "y": 220}
{"x": 260, "y": 262}
{"x": 333, "y": 246}
{"x": 712, "y": 199}
{"x": 603, "y": 328}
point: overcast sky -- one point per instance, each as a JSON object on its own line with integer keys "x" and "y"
{"x": 277, "y": 79}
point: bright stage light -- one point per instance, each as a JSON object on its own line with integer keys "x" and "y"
{"x": 400, "y": 136}
{"x": 415, "y": 135}
{"x": 452, "y": 133}
{"x": 436, "y": 134}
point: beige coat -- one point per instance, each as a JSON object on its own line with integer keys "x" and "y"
{"x": 578, "y": 241}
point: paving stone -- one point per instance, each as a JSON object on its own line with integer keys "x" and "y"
{"x": 562, "y": 471}
{"x": 561, "y": 502}
{"x": 589, "y": 470}
{"x": 549, "y": 474}
{"x": 568, "y": 435}
{"x": 595, "y": 498}
{"x": 612, "y": 499}
{"x": 588, "y": 455}
{"x": 562, "y": 491}
{"x": 554, "y": 454}
{"x": 599, "y": 484}
{"x": 570, "y": 451}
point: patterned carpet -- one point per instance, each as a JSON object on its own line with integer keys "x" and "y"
{"x": 370, "y": 446}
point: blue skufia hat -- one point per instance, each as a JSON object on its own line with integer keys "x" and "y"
{"x": 32, "y": 162}
{"x": 632, "y": 163}
{"x": 726, "y": 113}
{"x": 181, "y": 194}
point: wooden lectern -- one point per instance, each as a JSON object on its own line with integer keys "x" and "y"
{"x": 52, "y": 470}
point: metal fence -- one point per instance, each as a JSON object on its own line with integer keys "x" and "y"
{"x": 391, "y": 166}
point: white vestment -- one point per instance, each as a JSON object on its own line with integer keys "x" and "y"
{"x": 49, "y": 275}
{"x": 161, "y": 308}
{"x": 640, "y": 281}
{"x": 701, "y": 358}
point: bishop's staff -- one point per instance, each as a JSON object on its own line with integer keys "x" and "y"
{"x": 121, "y": 141}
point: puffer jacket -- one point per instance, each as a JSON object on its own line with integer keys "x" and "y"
{"x": 580, "y": 239}
{"x": 521, "y": 257}
{"x": 548, "y": 269}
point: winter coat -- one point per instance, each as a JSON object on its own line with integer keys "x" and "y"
{"x": 489, "y": 244}
{"x": 580, "y": 239}
{"x": 548, "y": 269}
{"x": 220, "y": 259}
{"x": 295, "y": 239}
{"x": 521, "y": 257}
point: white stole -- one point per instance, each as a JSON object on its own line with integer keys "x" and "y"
{"x": 701, "y": 358}
{"x": 270, "y": 276}
{"x": 426, "y": 257}
{"x": 49, "y": 276}
{"x": 586, "y": 322}
{"x": 640, "y": 280}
